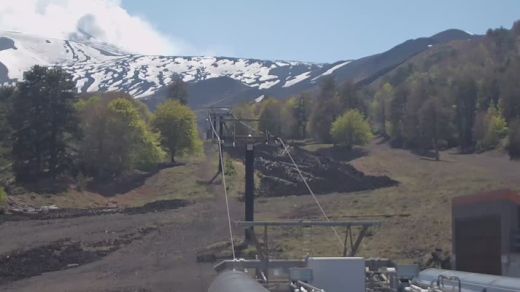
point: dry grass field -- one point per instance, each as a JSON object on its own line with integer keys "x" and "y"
{"x": 415, "y": 216}
{"x": 156, "y": 250}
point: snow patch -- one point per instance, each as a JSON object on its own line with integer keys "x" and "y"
{"x": 260, "y": 98}
{"x": 100, "y": 67}
{"x": 297, "y": 79}
{"x": 331, "y": 70}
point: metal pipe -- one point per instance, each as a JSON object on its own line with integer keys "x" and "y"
{"x": 235, "y": 281}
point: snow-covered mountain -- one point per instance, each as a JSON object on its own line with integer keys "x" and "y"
{"x": 98, "y": 66}
{"x": 101, "y": 67}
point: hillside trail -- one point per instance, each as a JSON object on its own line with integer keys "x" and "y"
{"x": 162, "y": 260}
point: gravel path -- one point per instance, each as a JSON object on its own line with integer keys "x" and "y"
{"x": 154, "y": 251}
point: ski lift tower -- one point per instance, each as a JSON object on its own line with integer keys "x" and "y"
{"x": 233, "y": 132}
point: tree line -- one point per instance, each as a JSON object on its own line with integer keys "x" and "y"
{"x": 48, "y": 131}
{"x": 464, "y": 94}
{"x": 331, "y": 115}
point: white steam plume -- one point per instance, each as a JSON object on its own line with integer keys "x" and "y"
{"x": 105, "y": 20}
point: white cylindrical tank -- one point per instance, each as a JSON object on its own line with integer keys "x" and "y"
{"x": 471, "y": 281}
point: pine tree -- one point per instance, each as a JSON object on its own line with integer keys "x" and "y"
{"x": 466, "y": 104}
{"x": 5, "y": 131}
{"x": 177, "y": 90}
{"x": 270, "y": 119}
{"x": 44, "y": 123}
{"x": 434, "y": 120}
{"x": 382, "y": 98}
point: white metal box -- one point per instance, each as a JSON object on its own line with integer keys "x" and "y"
{"x": 338, "y": 274}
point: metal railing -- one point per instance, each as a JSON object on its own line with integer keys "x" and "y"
{"x": 446, "y": 284}
{"x": 298, "y": 285}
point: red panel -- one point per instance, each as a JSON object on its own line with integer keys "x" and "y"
{"x": 499, "y": 195}
{"x": 478, "y": 245}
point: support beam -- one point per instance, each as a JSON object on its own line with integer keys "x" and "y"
{"x": 346, "y": 241}
{"x": 219, "y": 170}
{"x": 266, "y": 259}
{"x": 214, "y": 119}
{"x": 221, "y": 127}
{"x": 249, "y": 199}
{"x": 307, "y": 223}
{"x": 359, "y": 238}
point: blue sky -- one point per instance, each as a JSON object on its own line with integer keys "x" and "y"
{"x": 318, "y": 31}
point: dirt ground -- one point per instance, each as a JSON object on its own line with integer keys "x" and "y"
{"x": 415, "y": 215}
{"x": 131, "y": 251}
{"x": 156, "y": 250}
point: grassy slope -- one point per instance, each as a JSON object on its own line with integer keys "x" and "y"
{"x": 180, "y": 182}
{"x": 170, "y": 183}
{"x": 421, "y": 204}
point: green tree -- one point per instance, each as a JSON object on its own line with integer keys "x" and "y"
{"x": 178, "y": 128}
{"x": 270, "y": 118}
{"x": 302, "y": 111}
{"x": 44, "y": 123}
{"x": 5, "y": 131}
{"x": 325, "y": 110}
{"x": 350, "y": 97}
{"x": 295, "y": 114}
{"x": 116, "y": 137}
{"x": 289, "y": 115}
{"x": 490, "y": 128}
{"x": 381, "y": 106}
{"x": 434, "y": 124}
{"x": 510, "y": 90}
{"x": 243, "y": 111}
{"x": 322, "y": 116}
{"x": 466, "y": 104}
{"x": 3, "y": 199}
{"x": 177, "y": 90}
{"x": 419, "y": 89}
{"x": 327, "y": 88}
{"x": 351, "y": 129}
{"x": 396, "y": 116}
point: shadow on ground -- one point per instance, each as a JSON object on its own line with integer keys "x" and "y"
{"x": 126, "y": 183}
{"x": 342, "y": 153}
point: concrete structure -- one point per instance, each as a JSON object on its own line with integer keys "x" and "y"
{"x": 486, "y": 237}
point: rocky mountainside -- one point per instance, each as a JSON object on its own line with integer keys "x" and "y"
{"x": 98, "y": 66}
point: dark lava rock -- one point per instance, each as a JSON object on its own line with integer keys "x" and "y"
{"x": 56, "y": 256}
{"x": 324, "y": 175}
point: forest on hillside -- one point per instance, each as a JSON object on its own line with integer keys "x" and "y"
{"x": 463, "y": 94}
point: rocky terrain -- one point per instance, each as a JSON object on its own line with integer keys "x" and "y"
{"x": 278, "y": 176}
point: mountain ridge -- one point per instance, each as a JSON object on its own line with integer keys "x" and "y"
{"x": 97, "y": 66}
